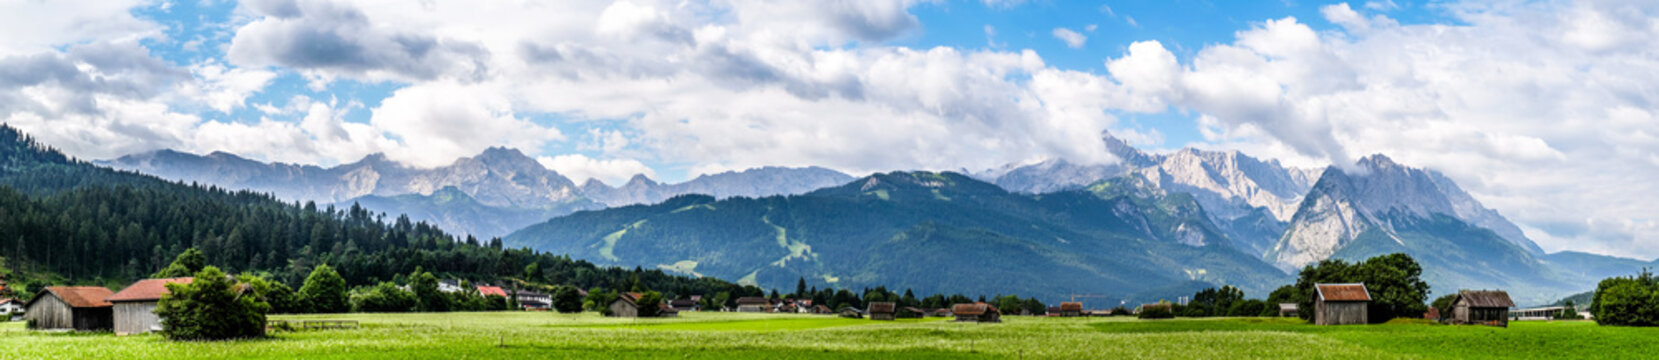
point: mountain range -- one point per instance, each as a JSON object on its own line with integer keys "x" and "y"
{"x": 1143, "y": 227}
{"x": 488, "y": 195}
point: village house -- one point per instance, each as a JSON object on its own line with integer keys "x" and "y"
{"x": 1485, "y": 307}
{"x": 850, "y": 312}
{"x": 683, "y": 304}
{"x": 533, "y": 300}
{"x": 822, "y": 310}
{"x": 449, "y": 286}
{"x": 882, "y": 310}
{"x": 10, "y": 308}
{"x": 491, "y": 290}
{"x": 976, "y": 312}
{"x": 71, "y": 308}
{"x": 135, "y": 305}
{"x": 1071, "y": 309}
{"x": 1341, "y": 304}
{"x": 754, "y": 304}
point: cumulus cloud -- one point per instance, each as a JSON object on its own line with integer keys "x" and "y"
{"x": 579, "y": 168}
{"x": 328, "y": 39}
{"x": 1072, "y": 39}
{"x": 1516, "y": 89}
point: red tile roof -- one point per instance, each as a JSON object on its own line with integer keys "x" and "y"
{"x": 491, "y": 290}
{"x": 147, "y": 289}
{"x": 1342, "y": 292}
{"x": 80, "y": 296}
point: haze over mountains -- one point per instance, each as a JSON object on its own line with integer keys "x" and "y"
{"x": 1175, "y": 221}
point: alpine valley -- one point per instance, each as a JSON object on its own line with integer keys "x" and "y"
{"x": 1149, "y": 226}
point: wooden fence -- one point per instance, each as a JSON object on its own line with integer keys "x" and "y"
{"x": 311, "y": 324}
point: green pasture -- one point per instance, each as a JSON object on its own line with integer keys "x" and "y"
{"x": 543, "y": 335}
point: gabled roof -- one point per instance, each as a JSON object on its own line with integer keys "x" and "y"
{"x": 7, "y": 301}
{"x": 1071, "y": 306}
{"x": 753, "y": 300}
{"x": 147, "y": 289}
{"x": 491, "y": 290}
{"x": 78, "y": 296}
{"x": 973, "y": 309}
{"x": 1485, "y": 298}
{"x": 882, "y": 307}
{"x": 1342, "y": 292}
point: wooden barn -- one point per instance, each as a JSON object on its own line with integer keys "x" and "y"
{"x": 881, "y": 310}
{"x": 910, "y": 312}
{"x": 626, "y": 305}
{"x": 1071, "y": 308}
{"x": 976, "y": 312}
{"x": 1341, "y": 304}
{"x": 71, "y": 308}
{"x": 753, "y": 304}
{"x": 1485, "y": 307}
{"x": 1287, "y": 310}
{"x": 135, "y": 305}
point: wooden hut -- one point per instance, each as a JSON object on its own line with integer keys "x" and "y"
{"x": 1341, "y": 304}
{"x": 1287, "y": 310}
{"x": 910, "y": 312}
{"x": 753, "y": 304}
{"x": 1071, "y": 309}
{"x": 881, "y": 310}
{"x": 135, "y": 305}
{"x": 976, "y": 312}
{"x": 1485, "y": 307}
{"x": 71, "y": 308}
{"x": 626, "y": 305}
{"x": 850, "y": 312}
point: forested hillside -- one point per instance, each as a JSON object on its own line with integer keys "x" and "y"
{"x": 65, "y": 221}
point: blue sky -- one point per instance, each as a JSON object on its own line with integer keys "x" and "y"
{"x": 1487, "y": 92}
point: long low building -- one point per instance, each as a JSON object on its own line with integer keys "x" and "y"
{"x": 71, "y": 308}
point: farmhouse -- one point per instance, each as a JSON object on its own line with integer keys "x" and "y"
{"x": 1486, "y": 307}
{"x": 1340, "y": 304}
{"x": 882, "y": 310}
{"x": 753, "y": 304}
{"x": 1432, "y": 314}
{"x": 9, "y": 307}
{"x": 533, "y": 300}
{"x": 940, "y": 312}
{"x": 135, "y": 305}
{"x": 71, "y": 307}
{"x": 1287, "y": 309}
{"x": 1071, "y": 309}
{"x": 491, "y": 290}
{"x": 976, "y": 312}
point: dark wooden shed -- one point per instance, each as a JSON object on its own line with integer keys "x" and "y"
{"x": 135, "y": 305}
{"x": 71, "y": 308}
{"x": 626, "y": 305}
{"x": 1341, "y": 304}
{"x": 1484, "y": 307}
{"x": 976, "y": 312}
{"x": 881, "y": 310}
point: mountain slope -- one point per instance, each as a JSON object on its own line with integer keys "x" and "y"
{"x": 454, "y": 210}
{"x": 926, "y": 231}
{"x": 1385, "y": 208}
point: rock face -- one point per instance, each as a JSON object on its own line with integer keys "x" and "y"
{"x": 1343, "y": 205}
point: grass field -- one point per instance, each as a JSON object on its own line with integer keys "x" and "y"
{"x": 725, "y": 335}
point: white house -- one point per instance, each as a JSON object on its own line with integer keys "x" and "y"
{"x": 10, "y": 307}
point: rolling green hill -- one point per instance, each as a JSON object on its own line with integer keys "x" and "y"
{"x": 931, "y": 232}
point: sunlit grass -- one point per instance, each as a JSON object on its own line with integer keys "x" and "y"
{"x": 723, "y": 335}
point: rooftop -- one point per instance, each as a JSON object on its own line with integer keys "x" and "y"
{"x": 147, "y": 289}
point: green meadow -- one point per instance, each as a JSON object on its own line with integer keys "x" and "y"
{"x": 543, "y": 335}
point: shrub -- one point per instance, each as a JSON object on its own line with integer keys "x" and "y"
{"x": 567, "y": 300}
{"x": 649, "y": 304}
{"x": 1156, "y": 312}
{"x": 385, "y": 297}
{"x": 325, "y": 291}
{"x": 1627, "y": 301}
{"x": 213, "y": 307}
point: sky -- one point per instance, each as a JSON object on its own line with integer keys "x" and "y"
{"x": 1543, "y": 110}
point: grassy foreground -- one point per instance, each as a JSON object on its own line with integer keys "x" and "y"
{"x": 723, "y": 335}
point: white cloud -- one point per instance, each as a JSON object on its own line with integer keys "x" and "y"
{"x": 580, "y": 168}
{"x": 1072, "y": 39}
{"x": 436, "y": 123}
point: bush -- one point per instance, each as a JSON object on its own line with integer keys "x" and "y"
{"x": 385, "y": 297}
{"x": 1156, "y": 312}
{"x": 567, "y": 300}
{"x": 650, "y": 304}
{"x": 325, "y": 291}
{"x": 1627, "y": 301}
{"x": 213, "y": 307}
